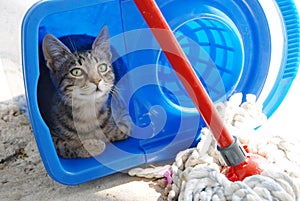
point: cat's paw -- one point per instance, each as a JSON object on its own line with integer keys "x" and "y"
{"x": 121, "y": 132}
{"x": 93, "y": 146}
{"x": 125, "y": 127}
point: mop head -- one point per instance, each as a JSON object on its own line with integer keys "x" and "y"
{"x": 196, "y": 172}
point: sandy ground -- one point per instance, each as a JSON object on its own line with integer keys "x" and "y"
{"x": 22, "y": 175}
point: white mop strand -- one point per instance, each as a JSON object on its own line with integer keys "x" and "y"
{"x": 150, "y": 173}
{"x": 196, "y": 171}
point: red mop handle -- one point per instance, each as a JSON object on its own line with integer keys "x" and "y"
{"x": 184, "y": 70}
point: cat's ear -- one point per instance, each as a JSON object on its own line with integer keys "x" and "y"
{"x": 101, "y": 44}
{"x": 55, "y": 52}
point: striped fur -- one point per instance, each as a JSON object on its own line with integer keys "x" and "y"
{"x": 82, "y": 120}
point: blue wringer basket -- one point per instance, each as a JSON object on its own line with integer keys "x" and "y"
{"x": 249, "y": 46}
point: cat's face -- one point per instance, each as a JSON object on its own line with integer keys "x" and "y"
{"x": 84, "y": 75}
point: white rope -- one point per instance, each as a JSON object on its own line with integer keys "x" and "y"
{"x": 154, "y": 172}
{"x": 196, "y": 171}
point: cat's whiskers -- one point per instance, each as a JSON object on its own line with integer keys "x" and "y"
{"x": 114, "y": 90}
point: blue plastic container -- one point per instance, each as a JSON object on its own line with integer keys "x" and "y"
{"x": 228, "y": 42}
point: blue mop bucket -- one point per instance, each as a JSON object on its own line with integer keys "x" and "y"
{"x": 234, "y": 46}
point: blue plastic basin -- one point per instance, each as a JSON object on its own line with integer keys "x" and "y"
{"x": 228, "y": 43}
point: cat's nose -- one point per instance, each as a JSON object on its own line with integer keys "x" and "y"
{"x": 96, "y": 81}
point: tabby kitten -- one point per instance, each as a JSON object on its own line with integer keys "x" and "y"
{"x": 82, "y": 119}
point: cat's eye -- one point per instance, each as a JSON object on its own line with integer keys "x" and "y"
{"x": 76, "y": 72}
{"x": 102, "y": 68}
